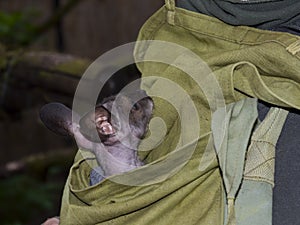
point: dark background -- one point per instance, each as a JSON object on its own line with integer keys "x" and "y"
{"x": 38, "y": 38}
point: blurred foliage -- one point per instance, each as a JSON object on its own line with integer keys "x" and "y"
{"x": 24, "y": 199}
{"x": 27, "y": 199}
{"x": 17, "y": 28}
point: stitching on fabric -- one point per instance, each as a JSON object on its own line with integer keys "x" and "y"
{"x": 254, "y": 178}
{"x": 263, "y": 141}
{"x": 193, "y": 14}
{"x": 171, "y": 17}
{"x": 265, "y": 131}
{"x": 170, "y": 4}
{"x": 294, "y": 48}
{"x": 247, "y": 174}
{"x": 267, "y": 161}
{"x": 232, "y": 40}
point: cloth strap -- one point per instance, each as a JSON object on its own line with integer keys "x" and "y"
{"x": 170, "y": 5}
{"x": 254, "y": 201}
{"x": 259, "y": 166}
{"x": 261, "y": 152}
{"x": 231, "y": 149}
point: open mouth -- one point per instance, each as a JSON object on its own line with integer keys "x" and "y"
{"x": 101, "y": 119}
{"x": 104, "y": 127}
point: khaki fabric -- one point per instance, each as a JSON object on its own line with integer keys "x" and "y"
{"x": 246, "y": 62}
{"x": 231, "y": 150}
{"x": 254, "y": 201}
{"x": 162, "y": 203}
{"x": 247, "y": 171}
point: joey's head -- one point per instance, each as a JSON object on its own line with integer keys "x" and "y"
{"x": 118, "y": 118}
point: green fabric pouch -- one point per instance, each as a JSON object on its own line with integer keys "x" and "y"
{"x": 247, "y": 171}
{"x": 182, "y": 181}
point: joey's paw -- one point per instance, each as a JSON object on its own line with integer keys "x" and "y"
{"x": 52, "y": 221}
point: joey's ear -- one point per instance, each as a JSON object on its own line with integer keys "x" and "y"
{"x": 57, "y": 118}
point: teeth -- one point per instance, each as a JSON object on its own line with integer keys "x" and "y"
{"x": 106, "y": 128}
{"x": 103, "y": 126}
{"x": 101, "y": 118}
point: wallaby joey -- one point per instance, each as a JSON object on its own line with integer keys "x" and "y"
{"x": 112, "y": 131}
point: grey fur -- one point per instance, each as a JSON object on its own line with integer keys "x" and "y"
{"x": 112, "y": 131}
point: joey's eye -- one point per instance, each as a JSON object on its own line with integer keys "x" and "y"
{"x": 136, "y": 107}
